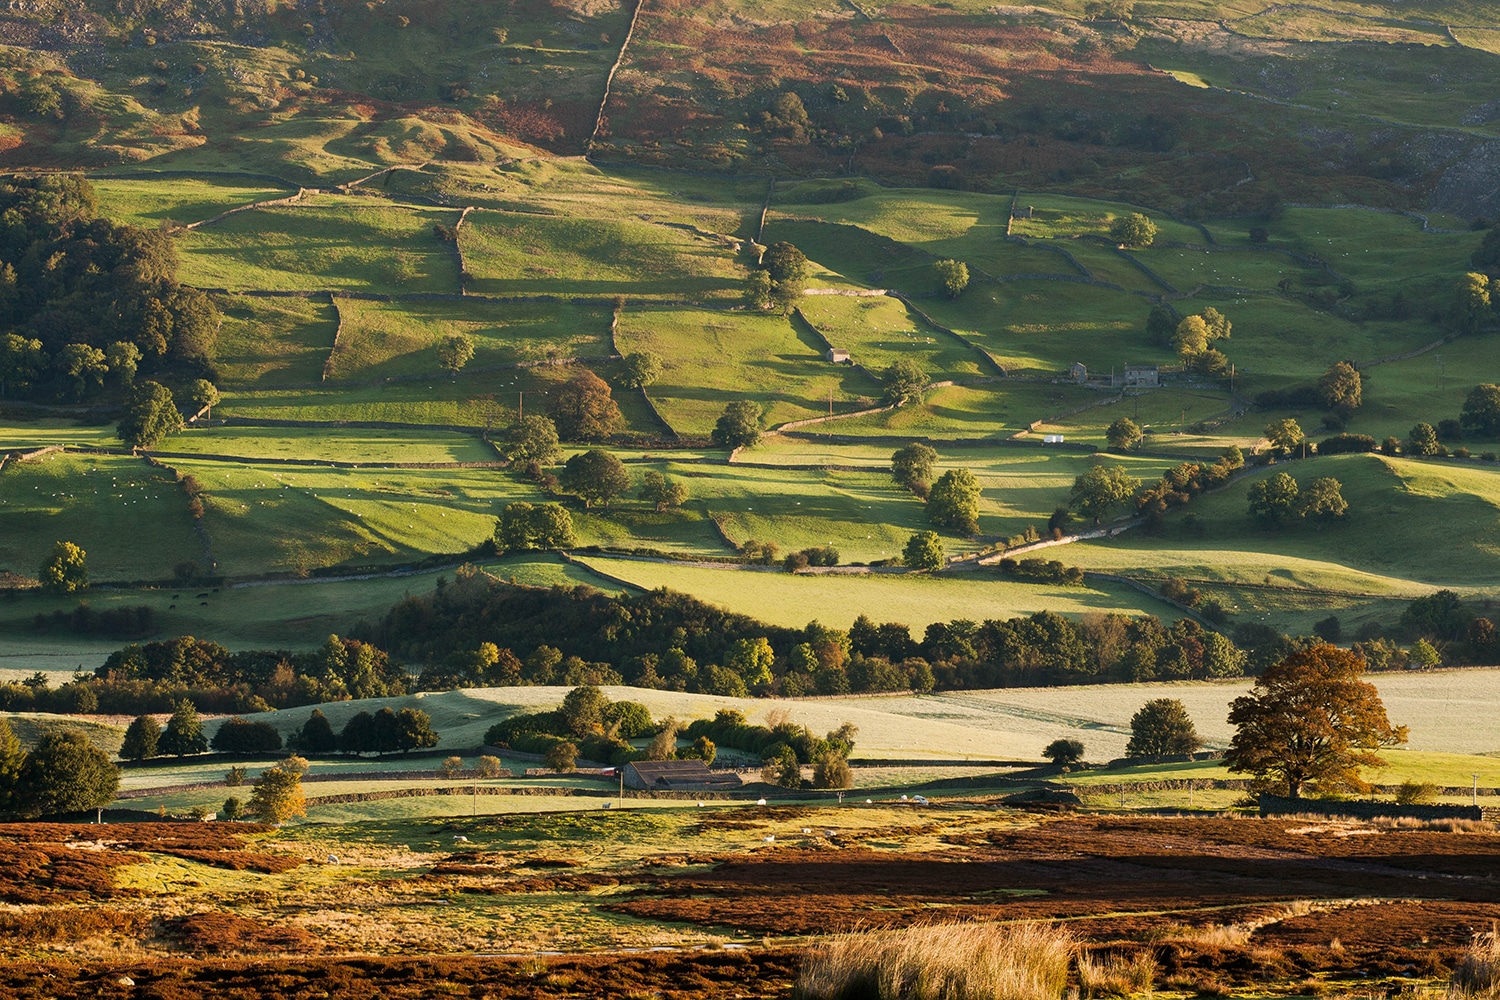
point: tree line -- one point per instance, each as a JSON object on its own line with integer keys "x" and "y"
{"x": 476, "y": 631}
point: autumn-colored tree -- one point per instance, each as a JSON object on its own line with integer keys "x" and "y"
{"x": 278, "y": 796}
{"x": 1310, "y": 719}
{"x": 584, "y": 409}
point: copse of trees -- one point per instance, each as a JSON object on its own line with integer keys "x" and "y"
{"x": 236, "y": 735}
{"x": 83, "y": 299}
{"x": 1195, "y": 337}
{"x": 525, "y": 526}
{"x": 781, "y": 279}
{"x": 387, "y": 731}
{"x": 157, "y": 676}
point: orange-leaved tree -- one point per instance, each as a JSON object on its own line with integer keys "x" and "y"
{"x": 1310, "y": 719}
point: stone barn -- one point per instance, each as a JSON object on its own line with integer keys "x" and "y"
{"x": 678, "y": 776}
{"x": 837, "y": 355}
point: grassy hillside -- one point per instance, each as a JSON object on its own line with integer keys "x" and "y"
{"x": 1306, "y": 172}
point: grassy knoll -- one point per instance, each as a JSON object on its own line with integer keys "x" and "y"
{"x": 269, "y": 342}
{"x": 510, "y": 253}
{"x": 936, "y": 224}
{"x": 353, "y": 244}
{"x": 384, "y": 339}
{"x": 713, "y": 358}
{"x": 149, "y": 203}
{"x": 131, "y": 519}
{"x": 1446, "y": 518}
{"x": 787, "y": 600}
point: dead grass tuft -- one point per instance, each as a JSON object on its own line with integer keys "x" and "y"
{"x": 1477, "y": 974}
{"x": 947, "y": 961}
{"x": 1115, "y": 974}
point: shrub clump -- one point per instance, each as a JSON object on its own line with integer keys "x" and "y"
{"x": 948, "y": 961}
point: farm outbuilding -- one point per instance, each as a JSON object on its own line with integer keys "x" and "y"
{"x": 1078, "y": 372}
{"x": 837, "y": 355}
{"x": 678, "y": 776}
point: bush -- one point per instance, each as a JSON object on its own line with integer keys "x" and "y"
{"x": 1477, "y": 974}
{"x": 1064, "y": 753}
{"x": 948, "y": 961}
{"x": 563, "y": 756}
{"x": 1343, "y": 444}
{"x": 1416, "y": 793}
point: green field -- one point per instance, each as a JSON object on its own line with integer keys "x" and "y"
{"x": 323, "y": 243}
{"x": 131, "y": 519}
{"x": 1449, "y": 516}
{"x": 792, "y": 601}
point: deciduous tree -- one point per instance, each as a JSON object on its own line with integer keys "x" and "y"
{"x": 953, "y": 502}
{"x": 583, "y": 409}
{"x": 184, "y": 732}
{"x": 1311, "y": 719}
{"x": 1274, "y": 499}
{"x": 1481, "y": 413}
{"x": 1124, "y": 434}
{"x": 66, "y": 773}
{"x": 911, "y": 467}
{"x": 533, "y": 438}
{"x": 595, "y": 476}
{"x": 1285, "y": 435}
{"x": 150, "y": 415}
{"x": 1323, "y": 501}
{"x": 661, "y": 491}
{"x": 953, "y": 275}
{"x": 277, "y": 795}
{"x": 1423, "y": 440}
{"x": 1064, "y": 752}
{"x": 1341, "y": 387}
{"x": 739, "y": 426}
{"x": 141, "y": 738}
{"x": 65, "y": 571}
{"x": 640, "y": 369}
{"x": 924, "y": 550}
{"x": 526, "y": 526}
{"x": 455, "y": 351}
{"x": 904, "y": 382}
{"x": 1133, "y": 230}
{"x": 1162, "y": 727}
{"x": 1102, "y": 489}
